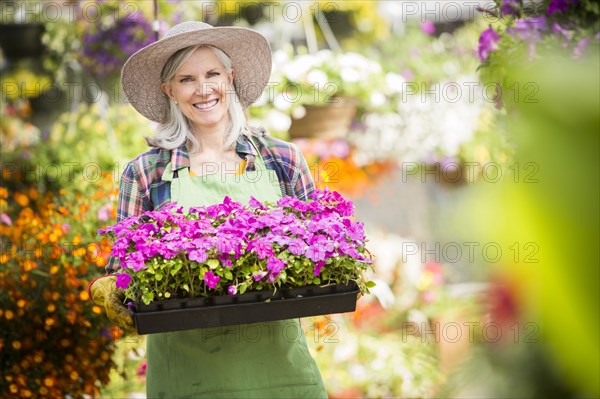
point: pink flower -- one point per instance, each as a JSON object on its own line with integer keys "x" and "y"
{"x": 428, "y": 27}
{"x": 211, "y": 279}
{"x": 4, "y": 218}
{"x": 141, "y": 371}
{"x": 104, "y": 212}
{"x": 123, "y": 280}
{"x": 232, "y": 290}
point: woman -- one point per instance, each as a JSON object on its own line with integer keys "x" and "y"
{"x": 196, "y": 82}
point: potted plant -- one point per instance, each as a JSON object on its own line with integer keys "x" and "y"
{"x": 232, "y": 264}
{"x": 321, "y": 92}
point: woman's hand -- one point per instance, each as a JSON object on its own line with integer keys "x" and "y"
{"x": 104, "y": 293}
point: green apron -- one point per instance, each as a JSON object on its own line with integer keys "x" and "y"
{"x": 259, "y": 360}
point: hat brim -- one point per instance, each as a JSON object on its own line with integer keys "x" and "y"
{"x": 249, "y": 51}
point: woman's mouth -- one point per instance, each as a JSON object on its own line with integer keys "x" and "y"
{"x": 207, "y": 104}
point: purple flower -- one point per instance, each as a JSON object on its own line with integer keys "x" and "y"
{"x": 211, "y": 279}
{"x": 567, "y": 34}
{"x": 558, "y": 6}
{"x": 123, "y": 280}
{"x": 428, "y": 27}
{"x": 232, "y": 290}
{"x": 488, "y": 42}
{"x": 580, "y": 47}
{"x": 510, "y": 7}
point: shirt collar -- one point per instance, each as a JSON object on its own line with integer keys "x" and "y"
{"x": 180, "y": 157}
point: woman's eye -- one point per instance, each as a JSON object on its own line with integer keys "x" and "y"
{"x": 212, "y": 74}
{"x": 183, "y": 80}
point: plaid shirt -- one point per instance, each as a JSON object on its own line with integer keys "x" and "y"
{"x": 142, "y": 188}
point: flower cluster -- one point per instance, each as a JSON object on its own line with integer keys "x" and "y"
{"x": 229, "y": 248}
{"x": 53, "y": 341}
{"x": 107, "y": 46}
{"x": 312, "y": 79}
{"x": 574, "y": 23}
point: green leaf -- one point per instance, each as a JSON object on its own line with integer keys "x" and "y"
{"x": 370, "y": 284}
{"x": 213, "y": 263}
{"x": 228, "y": 275}
{"x": 167, "y": 294}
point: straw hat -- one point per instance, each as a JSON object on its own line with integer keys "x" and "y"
{"x": 249, "y": 51}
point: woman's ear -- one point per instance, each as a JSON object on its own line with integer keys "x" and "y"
{"x": 167, "y": 89}
{"x": 230, "y": 75}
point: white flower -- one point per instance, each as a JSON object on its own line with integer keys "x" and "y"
{"x": 317, "y": 77}
{"x": 395, "y": 82}
{"x": 299, "y": 112}
{"x": 378, "y": 99}
{"x": 350, "y": 75}
{"x": 282, "y": 102}
{"x": 278, "y": 121}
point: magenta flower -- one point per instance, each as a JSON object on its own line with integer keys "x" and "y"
{"x": 488, "y": 42}
{"x": 123, "y": 280}
{"x": 275, "y": 266}
{"x": 211, "y": 279}
{"x": 428, "y": 28}
{"x": 230, "y": 237}
{"x": 135, "y": 260}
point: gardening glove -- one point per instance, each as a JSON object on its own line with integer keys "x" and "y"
{"x": 104, "y": 293}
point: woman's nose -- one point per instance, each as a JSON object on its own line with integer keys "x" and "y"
{"x": 205, "y": 88}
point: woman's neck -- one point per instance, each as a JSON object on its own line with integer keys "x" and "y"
{"x": 212, "y": 141}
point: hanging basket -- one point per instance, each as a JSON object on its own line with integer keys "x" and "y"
{"x": 326, "y": 121}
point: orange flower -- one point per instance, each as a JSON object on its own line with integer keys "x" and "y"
{"x": 28, "y": 265}
{"x": 21, "y": 199}
{"x": 3, "y": 192}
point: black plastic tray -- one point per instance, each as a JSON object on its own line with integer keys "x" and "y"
{"x": 251, "y": 307}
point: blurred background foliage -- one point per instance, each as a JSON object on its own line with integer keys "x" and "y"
{"x": 429, "y": 328}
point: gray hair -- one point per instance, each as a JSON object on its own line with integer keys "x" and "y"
{"x": 177, "y": 129}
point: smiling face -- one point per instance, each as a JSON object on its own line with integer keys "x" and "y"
{"x": 200, "y": 88}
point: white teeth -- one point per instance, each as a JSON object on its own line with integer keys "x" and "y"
{"x": 206, "y": 105}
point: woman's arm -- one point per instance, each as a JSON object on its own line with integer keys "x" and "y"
{"x": 133, "y": 200}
